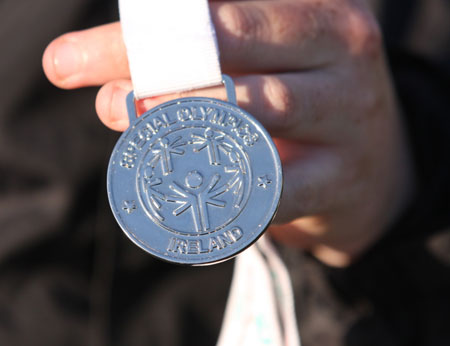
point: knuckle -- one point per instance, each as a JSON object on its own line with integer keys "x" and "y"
{"x": 369, "y": 104}
{"x": 291, "y": 23}
{"x": 364, "y": 33}
{"x": 372, "y": 102}
{"x": 372, "y": 38}
{"x": 279, "y": 99}
{"x": 239, "y": 21}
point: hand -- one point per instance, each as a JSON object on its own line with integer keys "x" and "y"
{"x": 313, "y": 72}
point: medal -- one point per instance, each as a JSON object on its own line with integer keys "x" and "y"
{"x": 195, "y": 180}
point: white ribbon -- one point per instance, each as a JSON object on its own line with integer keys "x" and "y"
{"x": 260, "y": 308}
{"x": 171, "y": 45}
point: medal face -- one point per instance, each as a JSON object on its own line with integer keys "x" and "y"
{"x": 194, "y": 181}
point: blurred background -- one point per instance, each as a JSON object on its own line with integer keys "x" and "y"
{"x": 68, "y": 276}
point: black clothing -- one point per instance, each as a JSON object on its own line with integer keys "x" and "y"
{"x": 68, "y": 276}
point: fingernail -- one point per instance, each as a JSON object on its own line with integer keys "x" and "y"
{"x": 118, "y": 110}
{"x": 67, "y": 60}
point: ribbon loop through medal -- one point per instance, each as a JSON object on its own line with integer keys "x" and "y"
{"x": 194, "y": 180}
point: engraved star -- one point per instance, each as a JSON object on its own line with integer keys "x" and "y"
{"x": 264, "y": 181}
{"x": 129, "y": 206}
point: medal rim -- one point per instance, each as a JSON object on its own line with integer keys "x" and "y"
{"x": 258, "y": 230}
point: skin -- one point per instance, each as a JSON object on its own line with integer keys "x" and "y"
{"x": 314, "y": 73}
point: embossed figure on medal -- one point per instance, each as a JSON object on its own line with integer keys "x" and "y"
{"x": 195, "y": 180}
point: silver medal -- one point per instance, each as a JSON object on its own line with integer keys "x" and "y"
{"x": 195, "y": 180}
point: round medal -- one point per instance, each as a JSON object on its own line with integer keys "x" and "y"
{"x": 194, "y": 181}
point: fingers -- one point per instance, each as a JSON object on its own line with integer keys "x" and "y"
{"x": 84, "y": 58}
{"x": 269, "y": 36}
